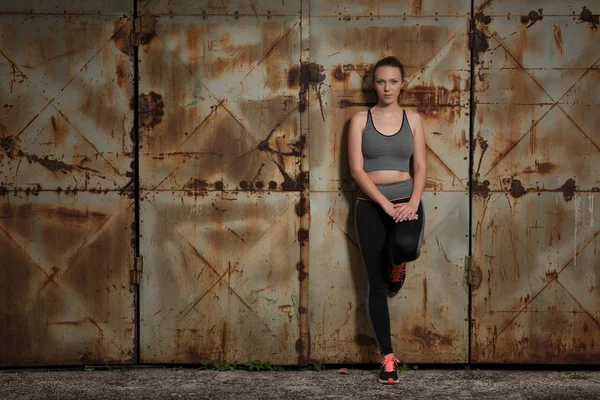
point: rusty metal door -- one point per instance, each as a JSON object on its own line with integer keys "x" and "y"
{"x": 535, "y": 181}
{"x": 223, "y": 164}
{"x": 243, "y": 260}
{"x": 430, "y": 315}
{"x": 66, "y": 208}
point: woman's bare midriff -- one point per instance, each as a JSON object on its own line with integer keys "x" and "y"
{"x": 388, "y": 176}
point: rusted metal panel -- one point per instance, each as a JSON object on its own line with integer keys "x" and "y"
{"x": 435, "y": 57}
{"x": 65, "y": 290}
{"x": 425, "y": 328}
{"x": 429, "y": 316}
{"x": 68, "y": 7}
{"x": 534, "y": 181}
{"x": 348, "y": 9}
{"x": 57, "y": 132}
{"x": 537, "y": 9}
{"x": 220, "y": 277}
{"x": 223, "y": 183}
{"x": 65, "y": 188}
{"x": 537, "y": 300}
{"x": 228, "y": 117}
{"x": 266, "y": 8}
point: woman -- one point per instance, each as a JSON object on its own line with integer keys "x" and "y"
{"x": 389, "y": 214}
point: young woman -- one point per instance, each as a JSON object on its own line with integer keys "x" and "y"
{"x": 389, "y": 214}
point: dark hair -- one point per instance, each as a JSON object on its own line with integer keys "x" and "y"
{"x": 390, "y": 61}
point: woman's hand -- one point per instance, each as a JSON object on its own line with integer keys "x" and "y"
{"x": 405, "y": 212}
{"x": 400, "y": 212}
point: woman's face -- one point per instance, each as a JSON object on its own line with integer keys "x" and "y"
{"x": 388, "y": 81}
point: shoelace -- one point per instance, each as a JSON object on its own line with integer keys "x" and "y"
{"x": 389, "y": 363}
{"x": 397, "y": 272}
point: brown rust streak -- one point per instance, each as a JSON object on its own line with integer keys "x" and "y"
{"x": 586, "y": 243}
{"x": 558, "y": 39}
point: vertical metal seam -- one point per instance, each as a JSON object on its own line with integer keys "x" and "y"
{"x": 136, "y": 174}
{"x": 471, "y": 158}
{"x": 304, "y": 350}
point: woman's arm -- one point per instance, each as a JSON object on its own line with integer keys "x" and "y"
{"x": 408, "y": 210}
{"x": 419, "y": 161}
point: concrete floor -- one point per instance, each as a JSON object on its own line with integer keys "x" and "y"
{"x": 188, "y": 383}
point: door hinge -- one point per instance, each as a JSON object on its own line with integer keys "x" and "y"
{"x": 135, "y": 274}
{"x": 471, "y": 272}
{"x": 136, "y": 33}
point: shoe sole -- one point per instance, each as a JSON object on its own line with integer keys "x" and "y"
{"x": 392, "y": 294}
{"x": 389, "y": 382}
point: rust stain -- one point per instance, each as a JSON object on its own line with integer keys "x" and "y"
{"x": 219, "y": 185}
{"x": 568, "y": 189}
{"x": 484, "y": 19}
{"x": 481, "y": 189}
{"x": 196, "y": 185}
{"x": 479, "y": 44}
{"x": 302, "y": 236}
{"x": 484, "y": 146}
{"x": 151, "y": 109}
{"x": 311, "y": 74}
{"x": 516, "y": 189}
{"x": 429, "y": 338}
{"x": 339, "y": 74}
{"x": 589, "y": 17}
{"x": 533, "y": 17}
{"x": 11, "y": 146}
{"x": 301, "y": 207}
{"x": 272, "y": 185}
{"x": 122, "y": 79}
{"x": 293, "y": 77}
{"x": 558, "y": 39}
{"x": 540, "y": 167}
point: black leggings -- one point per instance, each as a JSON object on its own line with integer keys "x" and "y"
{"x": 379, "y": 238}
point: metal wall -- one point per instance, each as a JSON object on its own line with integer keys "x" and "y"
{"x": 66, "y": 208}
{"x": 244, "y": 259}
{"x": 535, "y": 181}
{"x": 239, "y": 104}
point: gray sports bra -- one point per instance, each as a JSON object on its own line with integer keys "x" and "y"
{"x": 387, "y": 152}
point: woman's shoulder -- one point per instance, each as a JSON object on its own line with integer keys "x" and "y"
{"x": 360, "y": 117}
{"x": 413, "y": 117}
{"x": 412, "y": 114}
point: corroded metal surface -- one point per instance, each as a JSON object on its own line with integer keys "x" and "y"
{"x": 221, "y": 163}
{"x": 228, "y": 116}
{"x": 65, "y": 290}
{"x": 221, "y": 277}
{"x": 221, "y": 7}
{"x": 360, "y": 9}
{"x": 65, "y": 188}
{"x": 429, "y": 317}
{"x": 68, "y": 7}
{"x": 534, "y": 218}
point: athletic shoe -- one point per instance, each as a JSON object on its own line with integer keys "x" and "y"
{"x": 397, "y": 278}
{"x": 389, "y": 371}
